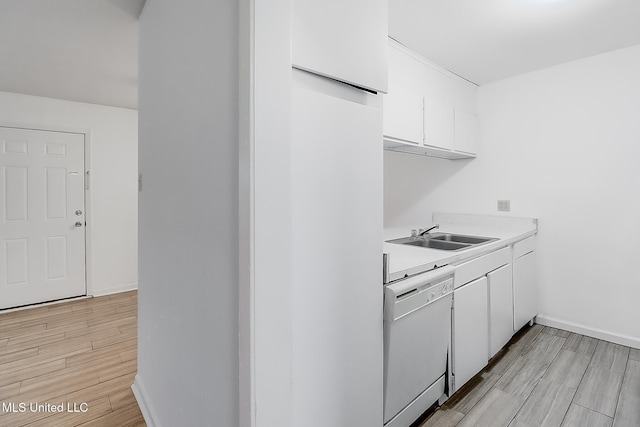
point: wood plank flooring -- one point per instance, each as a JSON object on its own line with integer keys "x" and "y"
{"x": 73, "y": 354}
{"x": 546, "y": 377}
{"x": 86, "y": 352}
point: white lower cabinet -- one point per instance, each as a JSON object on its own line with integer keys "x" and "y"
{"x": 525, "y": 291}
{"x": 494, "y": 295}
{"x": 470, "y": 324}
{"x": 500, "y": 308}
{"x": 482, "y": 312}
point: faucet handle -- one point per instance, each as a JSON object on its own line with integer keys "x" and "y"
{"x": 424, "y": 231}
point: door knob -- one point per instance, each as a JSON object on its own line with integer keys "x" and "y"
{"x": 78, "y": 224}
{"x": 78, "y": 212}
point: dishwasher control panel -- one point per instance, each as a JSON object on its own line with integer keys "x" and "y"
{"x": 430, "y": 291}
{"x": 402, "y": 300}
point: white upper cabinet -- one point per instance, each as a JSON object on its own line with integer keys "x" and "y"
{"x": 438, "y": 125}
{"x": 342, "y": 39}
{"x": 445, "y": 102}
{"x": 466, "y": 132}
{"x": 402, "y": 119}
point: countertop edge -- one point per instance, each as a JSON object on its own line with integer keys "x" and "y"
{"x": 432, "y": 262}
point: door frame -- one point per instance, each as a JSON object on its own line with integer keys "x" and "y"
{"x": 88, "y": 229}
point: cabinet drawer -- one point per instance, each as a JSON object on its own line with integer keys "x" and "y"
{"x": 524, "y": 247}
{"x": 480, "y": 266}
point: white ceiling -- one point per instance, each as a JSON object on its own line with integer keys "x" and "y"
{"x": 488, "y": 40}
{"x": 87, "y": 50}
{"x": 79, "y": 50}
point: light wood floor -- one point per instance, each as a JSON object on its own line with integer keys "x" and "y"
{"x": 548, "y": 377}
{"x": 76, "y": 352}
{"x": 86, "y": 352}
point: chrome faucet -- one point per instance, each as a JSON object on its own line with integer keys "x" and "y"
{"x": 422, "y": 233}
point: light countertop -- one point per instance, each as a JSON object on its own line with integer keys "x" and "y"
{"x": 406, "y": 260}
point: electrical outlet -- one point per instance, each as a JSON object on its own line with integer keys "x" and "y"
{"x": 504, "y": 205}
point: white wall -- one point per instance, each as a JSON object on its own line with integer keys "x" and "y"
{"x": 563, "y": 145}
{"x": 266, "y": 231}
{"x": 113, "y": 197}
{"x": 188, "y": 292}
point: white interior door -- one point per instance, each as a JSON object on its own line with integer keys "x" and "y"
{"x": 42, "y": 216}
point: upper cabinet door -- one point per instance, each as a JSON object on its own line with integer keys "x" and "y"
{"x": 438, "y": 125}
{"x": 342, "y": 39}
{"x": 466, "y": 132}
{"x": 402, "y": 115}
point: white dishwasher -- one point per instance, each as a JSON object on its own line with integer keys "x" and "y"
{"x": 417, "y": 332}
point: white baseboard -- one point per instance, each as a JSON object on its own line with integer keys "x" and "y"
{"x": 102, "y": 292}
{"x": 115, "y": 290}
{"x": 43, "y": 304}
{"x": 146, "y": 408}
{"x": 633, "y": 342}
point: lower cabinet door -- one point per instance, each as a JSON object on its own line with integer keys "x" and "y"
{"x": 500, "y": 308}
{"x": 470, "y": 331}
{"x": 525, "y": 290}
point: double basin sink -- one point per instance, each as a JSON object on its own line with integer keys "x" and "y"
{"x": 444, "y": 241}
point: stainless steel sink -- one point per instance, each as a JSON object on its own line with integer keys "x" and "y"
{"x": 434, "y": 244}
{"x": 444, "y": 241}
{"x": 460, "y": 238}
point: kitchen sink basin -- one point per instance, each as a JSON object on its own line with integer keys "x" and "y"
{"x": 434, "y": 244}
{"x": 460, "y": 238}
{"x": 444, "y": 241}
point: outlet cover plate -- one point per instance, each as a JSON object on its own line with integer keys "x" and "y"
{"x": 504, "y": 205}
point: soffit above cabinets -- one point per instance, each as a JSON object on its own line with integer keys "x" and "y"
{"x": 485, "y": 41}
